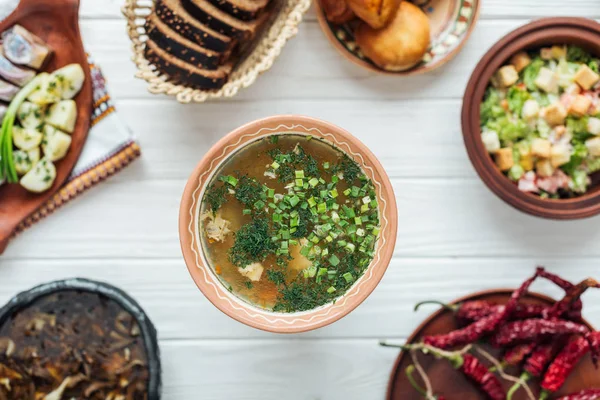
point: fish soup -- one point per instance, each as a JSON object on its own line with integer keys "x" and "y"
{"x": 289, "y": 223}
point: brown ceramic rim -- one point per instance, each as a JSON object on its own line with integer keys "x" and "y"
{"x": 371, "y": 67}
{"x": 580, "y": 31}
{"x": 474, "y": 296}
{"x": 202, "y": 273}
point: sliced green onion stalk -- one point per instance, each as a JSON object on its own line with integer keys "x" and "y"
{"x": 7, "y": 163}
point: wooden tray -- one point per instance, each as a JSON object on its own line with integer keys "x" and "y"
{"x": 450, "y": 383}
{"x": 56, "y": 22}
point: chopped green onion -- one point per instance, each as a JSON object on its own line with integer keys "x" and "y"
{"x": 313, "y": 182}
{"x": 294, "y": 200}
{"x": 275, "y": 165}
{"x": 229, "y": 179}
{"x": 247, "y": 212}
{"x": 333, "y": 260}
{"x": 331, "y": 290}
{"x": 348, "y": 277}
{"x": 325, "y": 165}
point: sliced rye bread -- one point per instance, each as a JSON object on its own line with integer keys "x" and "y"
{"x": 184, "y": 73}
{"x": 246, "y": 10}
{"x": 180, "y": 47}
{"x": 220, "y": 21}
{"x": 172, "y": 13}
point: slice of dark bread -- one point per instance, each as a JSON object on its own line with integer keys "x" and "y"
{"x": 184, "y": 73}
{"x": 173, "y": 14}
{"x": 219, "y": 20}
{"x": 180, "y": 47}
{"x": 246, "y": 10}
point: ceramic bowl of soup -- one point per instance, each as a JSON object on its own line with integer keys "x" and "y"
{"x": 288, "y": 223}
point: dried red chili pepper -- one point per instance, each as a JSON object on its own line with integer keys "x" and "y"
{"x": 534, "y": 329}
{"x": 537, "y": 363}
{"x": 517, "y": 354}
{"x": 469, "y": 365}
{"x": 572, "y": 298}
{"x": 542, "y": 356}
{"x": 475, "y": 310}
{"x": 588, "y": 394}
{"x": 484, "y": 326}
{"x": 564, "y": 284}
{"x": 475, "y": 371}
{"x": 565, "y": 362}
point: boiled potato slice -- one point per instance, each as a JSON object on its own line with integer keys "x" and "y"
{"x": 26, "y": 139}
{"x": 31, "y": 115}
{"x": 63, "y": 115}
{"x": 47, "y": 92}
{"x": 40, "y": 178}
{"x": 55, "y": 144}
{"x": 24, "y": 160}
{"x": 71, "y": 78}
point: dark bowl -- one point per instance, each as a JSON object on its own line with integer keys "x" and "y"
{"x": 148, "y": 332}
{"x": 581, "y": 32}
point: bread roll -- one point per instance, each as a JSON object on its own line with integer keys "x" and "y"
{"x": 337, "y": 11}
{"x": 376, "y": 13}
{"x": 401, "y": 44}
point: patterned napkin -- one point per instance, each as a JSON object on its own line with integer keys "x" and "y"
{"x": 109, "y": 148}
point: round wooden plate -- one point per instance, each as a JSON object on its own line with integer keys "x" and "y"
{"x": 450, "y": 383}
{"x": 452, "y": 22}
{"x": 55, "y": 22}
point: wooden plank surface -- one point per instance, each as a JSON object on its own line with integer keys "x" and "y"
{"x": 455, "y": 236}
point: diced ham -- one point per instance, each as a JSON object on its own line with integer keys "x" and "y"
{"x": 552, "y": 183}
{"x": 527, "y": 183}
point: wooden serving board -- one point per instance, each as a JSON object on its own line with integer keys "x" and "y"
{"x": 452, "y": 384}
{"x": 57, "y": 23}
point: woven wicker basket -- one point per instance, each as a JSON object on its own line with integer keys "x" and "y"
{"x": 283, "y": 27}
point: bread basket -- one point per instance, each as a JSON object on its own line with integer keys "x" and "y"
{"x": 283, "y": 26}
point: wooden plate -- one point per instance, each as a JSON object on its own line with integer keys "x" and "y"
{"x": 450, "y": 383}
{"x": 56, "y": 22}
{"x": 452, "y": 22}
{"x": 581, "y": 32}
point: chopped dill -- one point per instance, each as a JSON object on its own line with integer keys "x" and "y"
{"x": 248, "y": 191}
{"x": 277, "y": 277}
{"x": 349, "y": 168}
{"x": 215, "y": 197}
{"x": 252, "y": 243}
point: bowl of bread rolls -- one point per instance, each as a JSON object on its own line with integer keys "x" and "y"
{"x": 398, "y": 37}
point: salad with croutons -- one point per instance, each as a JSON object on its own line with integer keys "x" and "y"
{"x": 540, "y": 120}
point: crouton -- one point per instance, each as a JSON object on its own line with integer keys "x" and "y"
{"x": 541, "y": 147}
{"x": 504, "y": 159}
{"x": 580, "y": 106}
{"x": 520, "y": 61}
{"x": 586, "y": 78}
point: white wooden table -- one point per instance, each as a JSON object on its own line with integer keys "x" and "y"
{"x": 454, "y": 237}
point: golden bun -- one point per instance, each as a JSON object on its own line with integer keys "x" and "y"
{"x": 337, "y": 11}
{"x": 401, "y": 44}
{"x": 376, "y": 13}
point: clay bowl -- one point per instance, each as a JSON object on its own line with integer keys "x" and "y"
{"x": 147, "y": 330}
{"x": 203, "y": 274}
{"x": 452, "y": 22}
{"x": 575, "y": 31}
{"x": 446, "y": 381}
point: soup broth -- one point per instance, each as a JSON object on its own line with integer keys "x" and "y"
{"x": 289, "y": 223}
